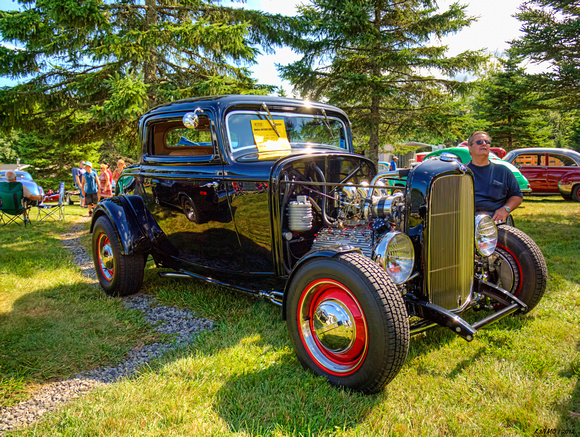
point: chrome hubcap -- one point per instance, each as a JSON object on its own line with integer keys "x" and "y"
{"x": 508, "y": 275}
{"x": 106, "y": 259}
{"x": 334, "y": 326}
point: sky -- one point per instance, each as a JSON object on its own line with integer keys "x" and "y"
{"x": 494, "y": 28}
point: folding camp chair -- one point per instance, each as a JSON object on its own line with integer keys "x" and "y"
{"x": 53, "y": 211}
{"x": 14, "y": 205}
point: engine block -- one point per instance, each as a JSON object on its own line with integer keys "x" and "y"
{"x": 360, "y": 237}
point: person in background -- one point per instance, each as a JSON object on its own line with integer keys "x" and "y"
{"x": 110, "y": 176}
{"x": 77, "y": 173}
{"x": 11, "y": 177}
{"x": 393, "y": 165}
{"x": 90, "y": 186}
{"x": 497, "y": 191}
{"x": 120, "y": 167}
{"x": 105, "y": 182}
{"x": 26, "y": 194}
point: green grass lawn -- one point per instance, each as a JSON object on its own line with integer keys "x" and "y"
{"x": 519, "y": 376}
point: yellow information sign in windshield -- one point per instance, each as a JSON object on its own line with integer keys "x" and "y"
{"x": 267, "y": 139}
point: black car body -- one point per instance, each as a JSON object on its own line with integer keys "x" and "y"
{"x": 265, "y": 195}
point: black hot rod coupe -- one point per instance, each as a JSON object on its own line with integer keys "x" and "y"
{"x": 265, "y": 195}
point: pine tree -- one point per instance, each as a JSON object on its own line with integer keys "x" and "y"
{"x": 375, "y": 59}
{"x": 92, "y": 67}
{"x": 511, "y": 109}
{"x": 551, "y": 29}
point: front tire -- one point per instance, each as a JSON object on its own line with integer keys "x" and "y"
{"x": 348, "y": 322}
{"x": 118, "y": 274}
{"x": 520, "y": 267}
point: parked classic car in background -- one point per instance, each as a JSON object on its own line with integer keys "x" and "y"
{"x": 464, "y": 156}
{"x": 265, "y": 195}
{"x": 549, "y": 170}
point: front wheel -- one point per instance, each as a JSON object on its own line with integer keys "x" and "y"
{"x": 119, "y": 275}
{"x": 519, "y": 266}
{"x": 348, "y": 322}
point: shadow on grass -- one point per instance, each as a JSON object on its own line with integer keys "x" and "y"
{"x": 570, "y": 418}
{"x": 266, "y": 390}
{"x": 283, "y": 399}
{"x": 53, "y": 324}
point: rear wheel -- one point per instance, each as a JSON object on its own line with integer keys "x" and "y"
{"x": 520, "y": 267}
{"x": 190, "y": 210}
{"x": 119, "y": 275}
{"x": 348, "y": 322}
{"x": 576, "y": 193}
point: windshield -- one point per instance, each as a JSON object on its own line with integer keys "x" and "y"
{"x": 251, "y": 132}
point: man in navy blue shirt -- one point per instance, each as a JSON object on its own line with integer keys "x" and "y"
{"x": 496, "y": 189}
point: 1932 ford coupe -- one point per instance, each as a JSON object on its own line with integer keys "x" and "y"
{"x": 265, "y": 195}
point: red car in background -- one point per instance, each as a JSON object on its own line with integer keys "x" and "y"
{"x": 499, "y": 151}
{"x": 549, "y": 170}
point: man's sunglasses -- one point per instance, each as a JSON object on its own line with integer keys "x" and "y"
{"x": 480, "y": 142}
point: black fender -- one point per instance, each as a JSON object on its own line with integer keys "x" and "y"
{"x": 127, "y": 214}
{"x": 329, "y": 252}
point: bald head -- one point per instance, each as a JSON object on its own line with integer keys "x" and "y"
{"x": 10, "y": 176}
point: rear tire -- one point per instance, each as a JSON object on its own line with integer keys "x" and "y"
{"x": 348, "y": 322}
{"x": 190, "y": 210}
{"x": 520, "y": 266}
{"x": 576, "y": 193}
{"x": 118, "y": 274}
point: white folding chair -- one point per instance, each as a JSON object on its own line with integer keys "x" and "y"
{"x": 53, "y": 211}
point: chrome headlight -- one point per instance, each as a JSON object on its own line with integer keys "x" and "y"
{"x": 395, "y": 254}
{"x": 485, "y": 234}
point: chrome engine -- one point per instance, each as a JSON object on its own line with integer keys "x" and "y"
{"x": 363, "y": 216}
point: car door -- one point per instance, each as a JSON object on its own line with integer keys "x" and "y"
{"x": 183, "y": 188}
{"x": 558, "y": 165}
{"x": 533, "y": 167}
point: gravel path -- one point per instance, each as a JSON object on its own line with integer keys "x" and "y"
{"x": 182, "y": 324}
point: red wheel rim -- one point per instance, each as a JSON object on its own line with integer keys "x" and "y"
{"x": 105, "y": 257}
{"x": 333, "y": 327}
{"x": 519, "y": 285}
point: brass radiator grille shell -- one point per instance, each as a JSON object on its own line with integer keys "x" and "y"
{"x": 449, "y": 251}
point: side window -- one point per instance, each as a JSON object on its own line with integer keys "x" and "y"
{"x": 560, "y": 161}
{"x": 172, "y": 138}
{"x": 527, "y": 160}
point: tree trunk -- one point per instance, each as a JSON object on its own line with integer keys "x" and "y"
{"x": 374, "y": 137}
{"x": 150, "y": 64}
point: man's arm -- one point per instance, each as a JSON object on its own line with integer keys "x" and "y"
{"x": 26, "y": 193}
{"x": 513, "y": 199}
{"x": 502, "y": 213}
